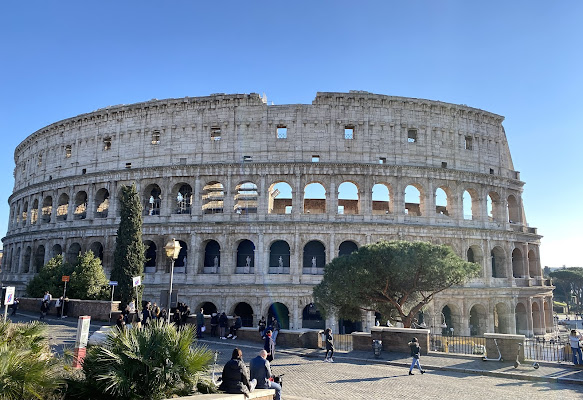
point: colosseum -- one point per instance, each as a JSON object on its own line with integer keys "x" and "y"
{"x": 261, "y": 197}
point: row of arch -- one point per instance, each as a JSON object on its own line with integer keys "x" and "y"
{"x": 280, "y": 199}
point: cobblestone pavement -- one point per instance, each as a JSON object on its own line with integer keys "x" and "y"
{"x": 357, "y": 375}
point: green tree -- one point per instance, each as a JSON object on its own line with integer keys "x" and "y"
{"x": 396, "y": 278}
{"x": 28, "y": 369}
{"x": 568, "y": 282}
{"x": 88, "y": 280}
{"x": 129, "y": 255}
{"x": 49, "y": 278}
{"x": 153, "y": 362}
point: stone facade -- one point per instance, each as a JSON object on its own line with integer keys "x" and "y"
{"x": 262, "y": 196}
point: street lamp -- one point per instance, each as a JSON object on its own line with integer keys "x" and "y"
{"x": 172, "y": 250}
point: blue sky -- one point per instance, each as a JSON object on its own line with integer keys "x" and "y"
{"x": 520, "y": 59}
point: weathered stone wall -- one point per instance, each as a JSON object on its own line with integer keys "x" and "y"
{"x": 97, "y": 309}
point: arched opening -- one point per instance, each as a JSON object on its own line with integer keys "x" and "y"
{"x": 97, "y": 250}
{"x": 212, "y": 257}
{"x": 63, "y": 207}
{"x": 533, "y": 268}
{"x": 245, "y": 311}
{"x": 213, "y": 195}
{"x": 280, "y": 198}
{"x": 39, "y": 258}
{"x": 474, "y": 254}
{"x": 513, "y": 210}
{"x": 17, "y": 261}
{"x": 537, "y": 320}
{"x": 17, "y": 214}
{"x": 57, "y": 250}
{"x": 314, "y": 199}
{"x": 25, "y": 213}
{"x": 101, "y": 203}
{"x": 152, "y": 200}
{"x": 348, "y": 200}
{"x": 381, "y": 200}
{"x": 498, "y": 259}
{"x": 208, "y": 308}
{"x": 281, "y": 314}
{"x": 413, "y": 200}
{"x": 314, "y": 258}
{"x": 47, "y": 209}
{"x": 151, "y": 253}
{"x": 501, "y": 318}
{"x": 346, "y": 248}
{"x": 245, "y": 257}
{"x": 279, "y": 256}
{"x": 517, "y": 265}
{"x": 73, "y": 253}
{"x": 520, "y": 315}
{"x": 246, "y": 198}
{"x": 80, "y": 205}
{"x": 493, "y": 204}
{"x": 478, "y": 321}
{"x": 180, "y": 263}
{"x": 183, "y": 197}
{"x": 34, "y": 212}
{"x": 27, "y": 259}
{"x": 470, "y": 255}
{"x": 446, "y": 323}
{"x": 470, "y": 205}
{"x": 311, "y": 318}
{"x": 441, "y": 202}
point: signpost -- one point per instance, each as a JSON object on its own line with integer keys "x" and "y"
{"x": 65, "y": 279}
{"x": 113, "y": 284}
{"x": 81, "y": 340}
{"x": 8, "y": 299}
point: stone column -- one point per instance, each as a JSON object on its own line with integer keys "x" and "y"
{"x": 194, "y": 258}
{"x": 197, "y": 194}
{"x": 332, "y": 198}
{"x": 228, "y": 201}
{"x": 258, "y": 257}
{"x": 297, "y": 195}
{"x": 332, "y": 251}
{"x": 71, "y": 206}
{"x": 525, "y": 270}
{"x": 296, "y": 259}
{"x": 167, "y": 201}
{"x": 529, "y": 322}
{"x": 262, "y": 198}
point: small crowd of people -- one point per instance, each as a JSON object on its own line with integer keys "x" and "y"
{"x": 46, "y": 304}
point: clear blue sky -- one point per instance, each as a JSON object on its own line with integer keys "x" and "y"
{"x": 520, "y": 59}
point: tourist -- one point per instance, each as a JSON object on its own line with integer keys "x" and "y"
{"x": 155, "y": 311}
{"x": 214, "y": 324}
{"x": 146, "y": 314}
{"x": 47, "y": 296}
{"x": 415, "y": 353}
{"x": 163, "y": 316}
{"x": 236, "y": 376}
{"x": 235, "y": 327}
{"x": 44, "y": 308}
{"x": 574, "y": 340}
{"x": 59, "y": 306}
{"x": 223, "y": 325}
{"x": 269, "y": 346}
{"x": 329, "y": 346}
{"x": 275, "y": 328}
{"x": 120, "y": 322}
{"x": 14, "y": 306}
{"x": 199, "y": 323}
{"x": 262, "y": 327}
{"x": 260, "y": 370}
{"x": 185, "y": 314}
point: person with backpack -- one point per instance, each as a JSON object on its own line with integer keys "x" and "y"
{"x": 415, "y": 353}
{"x": 223, "y": 325}
{"x": 329, "y": 345}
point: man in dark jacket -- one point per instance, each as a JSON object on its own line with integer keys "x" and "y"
{"x": 236, "y": 325}
{"x": 223, "y": 325}
{"x": 199, "y": 323}
{"x": 260, "y": 370}
{"x": 269, "y": 346}
{"x": 236, "y": 376}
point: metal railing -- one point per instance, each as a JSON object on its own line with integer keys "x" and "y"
{"x": 341, "y": 342}
{"x": 539, "y": 349}
{"x": 475, "y": 345}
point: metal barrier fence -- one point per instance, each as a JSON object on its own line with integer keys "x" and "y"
{"x": 458, "y": 344}
{"x": 539, "y": 349}
{"x": 341, "y": 342}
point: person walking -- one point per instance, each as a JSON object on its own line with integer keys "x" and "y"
{"x": 415, "y": 353}
{"x": 236, "y": 376}
{"x": 214, "y": 324}
{"x": 14, "y": 306}
{"x": 574, "y": 341}
{"x": 223, "y": 325}
{"x": 275, "y": 329}
{"x": 260, "y": 370}
{"x": 329, "y": 345}
{"x": 262, "y": 327}
{"x": 44, "y": 308}
{"x": 199, "y": 323}
{"x": 269, "y": 346}
{"x": 59, "y": 305}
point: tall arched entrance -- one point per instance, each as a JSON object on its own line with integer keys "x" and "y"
{"x": 281, "y": 313}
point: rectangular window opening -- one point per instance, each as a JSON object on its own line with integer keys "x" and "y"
{"x": 40, "y": 159}
{"x": 215, "y": 133}
{"x": 247, "y": 158}
{"x": 468, "y": 143}
{"x": 288, "y": 209}
{"x": 382, "y": 160}
{"x": 281, "y": 132}
{"x": 315, "y": 158}
{"x": 349, "y": 132}
{"x": 491, "y": 171}
{"x": 128, "y": 165}
{"x": 443, "y": 164}
{"x": 68, "y": 150}
{"x": 107, "y": 143}
{"x": 156, "y": 137}
{"x": 83, "y": 171}
{"x": 340, "y": 210}
{"x": 182, "y": 161}
{"x": 412, "y": 135}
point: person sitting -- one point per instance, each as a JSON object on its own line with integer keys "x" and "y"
{"x": 120, "y": 322}
{"x": 269, "y": 346}
{"x": 260, "y": 370}
{"x": 233, "y": 330}
{"x": 236, "y": 376}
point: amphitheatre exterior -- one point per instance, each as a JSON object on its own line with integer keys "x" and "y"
{"x": 262, "y": 196}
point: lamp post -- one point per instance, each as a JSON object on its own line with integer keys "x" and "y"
{"x": 172, "y": 250}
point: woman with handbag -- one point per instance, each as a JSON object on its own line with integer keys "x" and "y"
{"x": 415, "y": 353}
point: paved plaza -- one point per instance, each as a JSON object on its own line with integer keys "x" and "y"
{"x": 357, "y": 375}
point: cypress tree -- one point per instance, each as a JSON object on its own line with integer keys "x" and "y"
{"x": 129, "y": 255}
